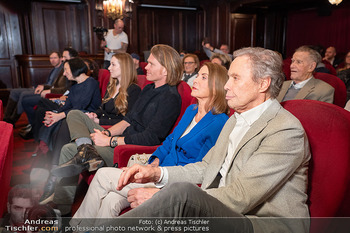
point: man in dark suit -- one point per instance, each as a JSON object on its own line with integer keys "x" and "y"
{"x": 330, "y": 56}
{"x": 55, "y": 79}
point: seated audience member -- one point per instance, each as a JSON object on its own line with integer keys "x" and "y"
{"x": 192, "y": 138}
{"x": 136, "y": 59}
{"x": 257, "y": 168}
{"x": 344, "y": 74}
{"x": 221, "y": 59}
{"x": 55, "y": 83}
{"x": 149, "y": 123}
{"x": 191, "y": 67}
{"x": 36, "y": 116}
{"x": 84, "y": 95}
{"x": 302, "y": 84}
{"x": 29, "y": 102}
{"x": 210, "y": 50}
{"x": 20, "y": 199}
{"x": 330, "y": 56}
{"x": 346, "y": 64}
{"x": 121, "y": 95}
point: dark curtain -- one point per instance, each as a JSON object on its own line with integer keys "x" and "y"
{"x": 309, "y": 28}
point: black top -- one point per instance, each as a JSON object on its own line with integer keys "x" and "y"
{"x": 153, "y": 115}
{"x": 109, "y": 115}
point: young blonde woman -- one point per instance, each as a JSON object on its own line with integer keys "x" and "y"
{"x": 122, "y": 92}
{"x": 192, "y": 138}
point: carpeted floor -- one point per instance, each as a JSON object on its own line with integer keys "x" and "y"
{"x": 22, "y": 154}
{"x": 23, "y": 160}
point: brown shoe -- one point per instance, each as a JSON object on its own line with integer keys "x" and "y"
{"x": 87, "y": 159}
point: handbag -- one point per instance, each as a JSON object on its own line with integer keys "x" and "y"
{"x": 141, "y": 159}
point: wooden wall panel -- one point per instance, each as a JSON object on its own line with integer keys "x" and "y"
{"x": 34, "y": 69}
{"x": 59, "y": 25}
{"x": 6, "y": 73}
{"x": 180, "y": 29}
{"x": 10, "y": 44}
{"x": 243, "y": 28}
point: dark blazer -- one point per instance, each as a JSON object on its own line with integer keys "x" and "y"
{"x": 60, "y": 83}
{"x": 193, "y": 146}
{"x": 153, "y": 115}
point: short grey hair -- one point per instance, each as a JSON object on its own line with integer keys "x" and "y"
{"x": 264, "y": 63}
{"x": 313, "y": 54}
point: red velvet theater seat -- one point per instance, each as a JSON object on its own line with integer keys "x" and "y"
{"x": 103, "y": 79}
{"x": 337, "y": 84}
{"x": 6, "y": 153}
{"x": 142, "y": 81}
{"x": 328, "y": 129}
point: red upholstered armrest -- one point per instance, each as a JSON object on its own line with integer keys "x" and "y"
{"x": 50, "y": 95}
{"x": 106, "y": 126}
{"x": 124, "y": 152}
{"x": 6, "y": 156}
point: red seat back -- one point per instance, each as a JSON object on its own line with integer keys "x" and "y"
{"x": 186, "y": 99}
{"x": 6, "y": 155}
{"x": 202, "y": 62}
{"x": 330, "y": 67}
{"x": 142, "y": 81}
{"x": 103, "y": 79}
{"x": 328, "y": 129}
{"x": 143, "y": 65}
{"x": 337, "y": 84}
{"x": 286, "y": 67}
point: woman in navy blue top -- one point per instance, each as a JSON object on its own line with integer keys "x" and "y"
{"x": 195, "y": 134}
{"x": 84, "y": 95}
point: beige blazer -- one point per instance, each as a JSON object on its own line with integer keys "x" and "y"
{"x": 314, "y": 89}
{"x": 268, "y": 173}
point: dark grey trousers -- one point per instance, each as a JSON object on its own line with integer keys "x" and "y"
{"x": 187, "y": 200}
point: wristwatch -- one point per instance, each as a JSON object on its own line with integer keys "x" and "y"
{"x": 114, "y": 142}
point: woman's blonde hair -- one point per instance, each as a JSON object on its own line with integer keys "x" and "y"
{"x": 128, "y": 77}
{"x": 217, "y": 79}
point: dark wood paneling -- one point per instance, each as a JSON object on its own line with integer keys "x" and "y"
{"x": 243, "y": 28}
{"x": 180, "y": 29}
{"x": 34, "y": 69}
{"x": 10, "y": 44}
{"x": 6, "y": 72}
{"x": 59, "y": 25}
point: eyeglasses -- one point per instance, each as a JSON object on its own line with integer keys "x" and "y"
{"x": 189, "y": 63}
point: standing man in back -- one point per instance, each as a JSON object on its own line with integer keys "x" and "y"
{"x": 116, "y": 41}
